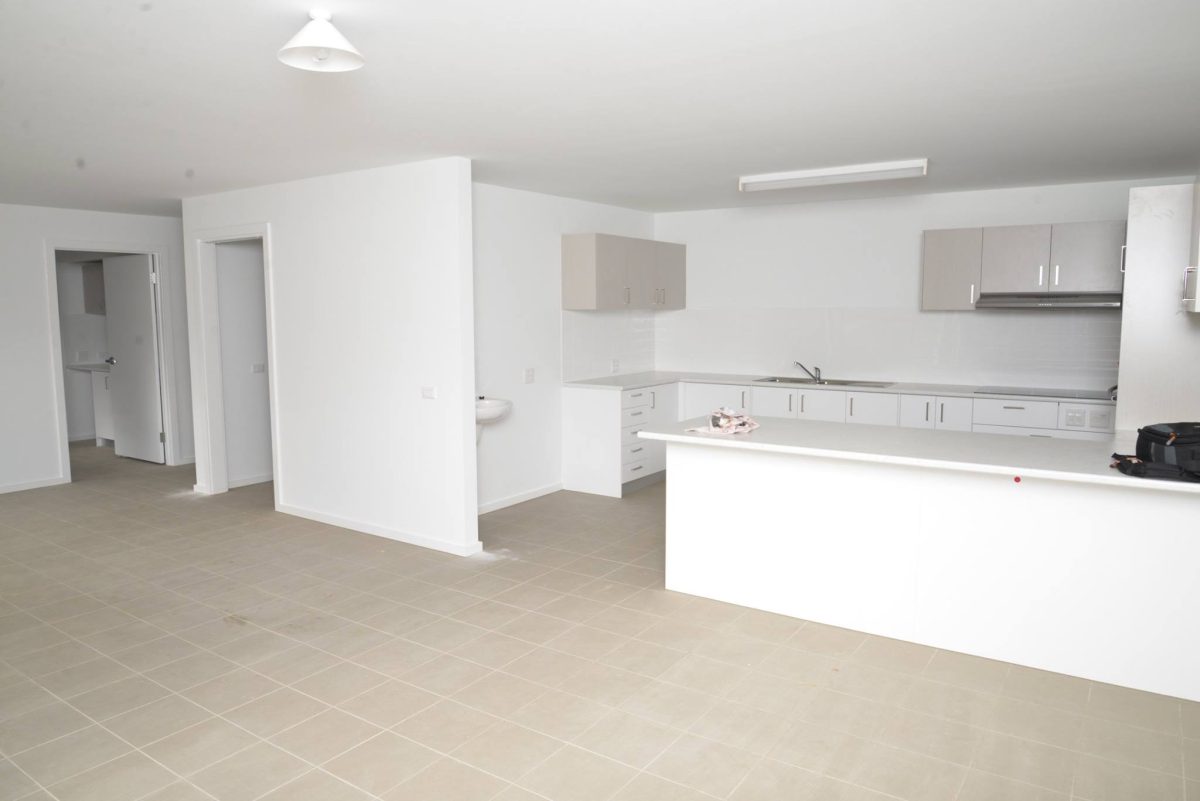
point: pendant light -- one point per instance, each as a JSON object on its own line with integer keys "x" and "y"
{"x": 320, "y": 47}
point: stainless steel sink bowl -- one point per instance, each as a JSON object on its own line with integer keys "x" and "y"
{"x": 832, "y": 382}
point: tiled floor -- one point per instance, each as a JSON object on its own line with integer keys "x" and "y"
{"x": 158, "y": 645}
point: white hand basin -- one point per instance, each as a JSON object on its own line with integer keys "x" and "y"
{"x": 489, "y": 410}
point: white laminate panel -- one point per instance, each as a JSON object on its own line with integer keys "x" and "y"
{"x": 1015, "y": 412}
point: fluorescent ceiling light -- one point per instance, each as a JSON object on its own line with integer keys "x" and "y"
{"x": 849, "y": 174}
{"x": 320, "y": 47}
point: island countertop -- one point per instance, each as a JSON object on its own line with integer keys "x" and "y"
{"x": 1027, "y": 457}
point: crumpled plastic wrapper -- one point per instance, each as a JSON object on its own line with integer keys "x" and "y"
{"x": 726, "y": 421}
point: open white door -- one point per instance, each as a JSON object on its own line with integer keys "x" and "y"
{"x": 133, "y": 347}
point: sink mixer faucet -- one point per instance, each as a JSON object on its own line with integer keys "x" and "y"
{"x": 814, "y": 374}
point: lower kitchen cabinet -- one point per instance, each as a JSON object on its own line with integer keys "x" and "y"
{"x": 872, "y": 408}
{"x": 601, "y": 449}
{"x": 773, "y": 402}
{"x": 928, "y": 411}
{"x": 102, "y": 406}
{"x": 700, "y": 400}
{"x": 821, "y": 404}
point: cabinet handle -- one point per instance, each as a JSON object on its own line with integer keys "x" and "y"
{"x": 627, "y": 294}
{"x": 1041, "y": 270}
{"x": 743, "y": 400}
{"x": 635, "y": 414}
{"x": 926, "y": 411}
{"x": 971, "y": 297}
{"x": 637, "y": 450}
{"x": 802, "y": 404}
{"x": 664, "y": 296}
{"x": 851, "y": 405}
{"x": 789, "y": 402}
{"x": 942, "y": 412}
{"x": 1015, "y": 408}
{"x": 635, "y": 469}
{"x": 1122, "y": 258}
{"x": 1056, "y": 275}
{"x": 653, "y": 400}
{"x": 636, "y": 395}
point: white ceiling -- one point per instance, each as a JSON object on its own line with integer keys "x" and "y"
{"x": 128, "y": 105}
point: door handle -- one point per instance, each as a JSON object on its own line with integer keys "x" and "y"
{"x": 1122, "y": 258}
{"x": 111, "y": 360}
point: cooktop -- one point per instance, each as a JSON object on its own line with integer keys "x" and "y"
{"x": 1078, "y": 394}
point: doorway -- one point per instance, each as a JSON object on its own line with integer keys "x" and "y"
{"x": 110, "y": 330}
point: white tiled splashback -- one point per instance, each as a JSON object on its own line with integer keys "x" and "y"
{"x": 591, "y": 340}
{"x": 1057, "y": 349}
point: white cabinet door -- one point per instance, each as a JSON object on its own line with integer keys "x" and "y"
{"x": 671, "y": 275}
{"x": 700, "y": 400}
{"x": 954, "y": 414}
{"x": 872, "y": 408}
{"x": 918, "y": 411}
{"x": 773, "y": 402}
{"x": 102, "y": 405}
{"x": 821, "y": 404}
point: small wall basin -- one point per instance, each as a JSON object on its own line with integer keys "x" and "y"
{"x": 487, "y": 411}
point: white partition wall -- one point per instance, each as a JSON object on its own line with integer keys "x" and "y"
{"x": 371, "y": 360}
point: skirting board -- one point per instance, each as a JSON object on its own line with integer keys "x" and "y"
{"x": 521, "y": 497}
{"x": 28, "y": 485}
{"x": 245, "y": 482}
{"x": 380, "y": 531}
{"x": 83, "y": 437}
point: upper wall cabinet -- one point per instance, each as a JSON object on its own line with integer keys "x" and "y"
{"x": 606, "y": 272}
{"x": 950, "y": 269}
{"x": 1015, "y": 258}
{"x": 1087, "y": 257}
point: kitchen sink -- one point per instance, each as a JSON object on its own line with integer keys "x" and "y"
{"x": 832, "y": 382}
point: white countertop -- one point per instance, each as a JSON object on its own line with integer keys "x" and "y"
{"x": 90, "y": 368}
{"x": 1033, "y": 457}
{"x": 641, "y": 380}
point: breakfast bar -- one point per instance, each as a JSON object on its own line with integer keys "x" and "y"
{"x": 1027, "y": 550}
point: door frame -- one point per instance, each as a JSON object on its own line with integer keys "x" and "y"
{"x": 204, "y": 326}
{"x": 164, "y": 330}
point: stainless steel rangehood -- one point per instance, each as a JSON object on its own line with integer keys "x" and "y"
{"x": 1043, "y": 300}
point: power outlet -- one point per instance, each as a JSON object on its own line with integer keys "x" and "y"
{"x": 429, "y": 393}
{"x": 616, "y": 366}
{"x": 528, "y": 375}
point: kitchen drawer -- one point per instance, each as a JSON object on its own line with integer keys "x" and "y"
{"x": 634, "y": 470}
{"x": 1015, "y": 412}
{"x": 637, "y": 451}
{"x": 1041, "y": 433}
{"x": 639, "y": 415}
{"x": 631, "y": 398}
{"x": 630, "y": 435}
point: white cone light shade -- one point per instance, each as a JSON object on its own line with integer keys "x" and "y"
{"x": 320, "y": 47}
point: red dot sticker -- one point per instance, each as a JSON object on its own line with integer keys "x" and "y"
{"x": 1016, "y": 479}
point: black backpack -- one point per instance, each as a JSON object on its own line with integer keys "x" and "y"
{"x": 1164, "y": 450}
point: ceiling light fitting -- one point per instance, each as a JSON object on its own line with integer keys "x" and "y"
{"x": 320, "y": 47}
{"x": 849, "y": 174}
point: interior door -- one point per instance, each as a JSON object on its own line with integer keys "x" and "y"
{"x": 133, "y": 349}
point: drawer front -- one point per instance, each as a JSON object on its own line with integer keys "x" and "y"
{"x": 630, "y": 435}
{"x": 631, "y": 398}
{"x": 636, "y": 451}
{"x": 635, "y": 416}
{"x": 1041, "y": 433}
{"x": 635, "y": 470}
{"x": 1015, "y": 412}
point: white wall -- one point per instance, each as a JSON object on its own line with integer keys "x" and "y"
{"x": 1160, "y": 343}
{"x": 84, "y": 341}
{"x": 369, "y": 279}
{"x": 30, "y": 420}
{"x": 838, "y": 285}
{"x": 242, "y": 308}
{"x": 518, "y": 324}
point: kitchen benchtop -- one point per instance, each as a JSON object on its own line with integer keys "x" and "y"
{"x": 642, "y": 380}
{"x": 90, "y": 368}
{"x": 1029, "y": 457}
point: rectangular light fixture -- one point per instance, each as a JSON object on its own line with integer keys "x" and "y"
{"x": 848, "y": 174}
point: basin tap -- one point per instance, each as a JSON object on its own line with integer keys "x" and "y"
{"x": 814, "y": 374}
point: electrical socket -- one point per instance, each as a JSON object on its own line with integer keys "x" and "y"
{"x": 616, "y": 366}
{"x": 528, "y": 375}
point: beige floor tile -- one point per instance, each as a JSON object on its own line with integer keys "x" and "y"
{"x": 890, "y": 770}
{"x": 179, "y": 791}
{"x": 155, "y": 653}
{"x": 587, "y": 642}
{"x": 83, "y": 677}
{"x": 323, "y": 737}
{"x": 1043, "y": 687}
{"x": 742, "y": 727}
{"x": 1103, "y": 780}
{"x": 71, "y": 754}
{"x": 1191, "y": 758}
{"x": 603, "y": 684}
{"x": 445, "y": 726}
{"x": 445, "y": 634}
{"x": 703, "y": 674}
{"x": 559, "y": 714}
{"x": 445, "y": 675}
{"x": 932, "y": 736}
{"x": 1134, "y": 746}
{"x": 22, "y": 696}
{"x": 120, "y": 696}
{"x": 507, "y": 750}
{"x": 381, "y": 763}
{"x": 14, "y": 784}
{"x": 575, "y": 775}
{"x": 776, "y": 694}
{"x": 648, "y": 787}
{"x": 40, "y": 726}
{"x": 200, "y": 745}
{"x": 191, "y": 670}
{"x": 157, "y": 720}
{"x": 1191, "y": 719}
{"x": 980, "y": 786}
{"x": 647, "y": 658}
{"x": 1137, "y": 708}
{"x": 389, "y": 703}
{"x": 493, "y": 650}
{"x": 395, "y": 657}
{"x": 897, "y": 655}
{"x": 668, "y": 704}
{"x": 535, "y": 628}
{"x": 1026, "y": 761}
{"x": 230, "y": 690}
{"x": 131, "y": 776}
{"x": 55, "y": 658}
{"x": 703, "y": 765}
{"x": 772, "y": 781}
{"x": 500, "y": 693}
{"x": 249, "y": 774}
{"x": 546, "y": 666}
{"x": 972, "y": 672}
{"x": 627, "y": 738}
{"x": 1043, "y": 724}
{"x": 317, "y": 785}
{"x": 828, "y": 640}
{"x": 448, "y": 780}
{"x": 274, "y": 712}
{"x": 340, "y": 682}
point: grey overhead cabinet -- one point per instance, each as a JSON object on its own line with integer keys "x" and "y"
{"x": 1015, "y": 259}
{"x": 950, "y": 269}
{"x": 1087, "y": 257}
{"x": 604, "y": 272}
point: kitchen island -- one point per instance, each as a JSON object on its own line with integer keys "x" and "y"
{"x": 1027, "y": 550}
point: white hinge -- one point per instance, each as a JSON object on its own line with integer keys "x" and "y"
{"x": 154, "y": 275}
{"x": 162, "y": 436}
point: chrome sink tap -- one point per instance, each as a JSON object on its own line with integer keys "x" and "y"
{"x": 814, "y": 374}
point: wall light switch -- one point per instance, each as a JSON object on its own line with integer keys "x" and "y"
{"x": 258, "y": 368}
{"x": 429, "y": 393}
{"x": 616, "y": 366}
{"x": 528, "y": 375}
